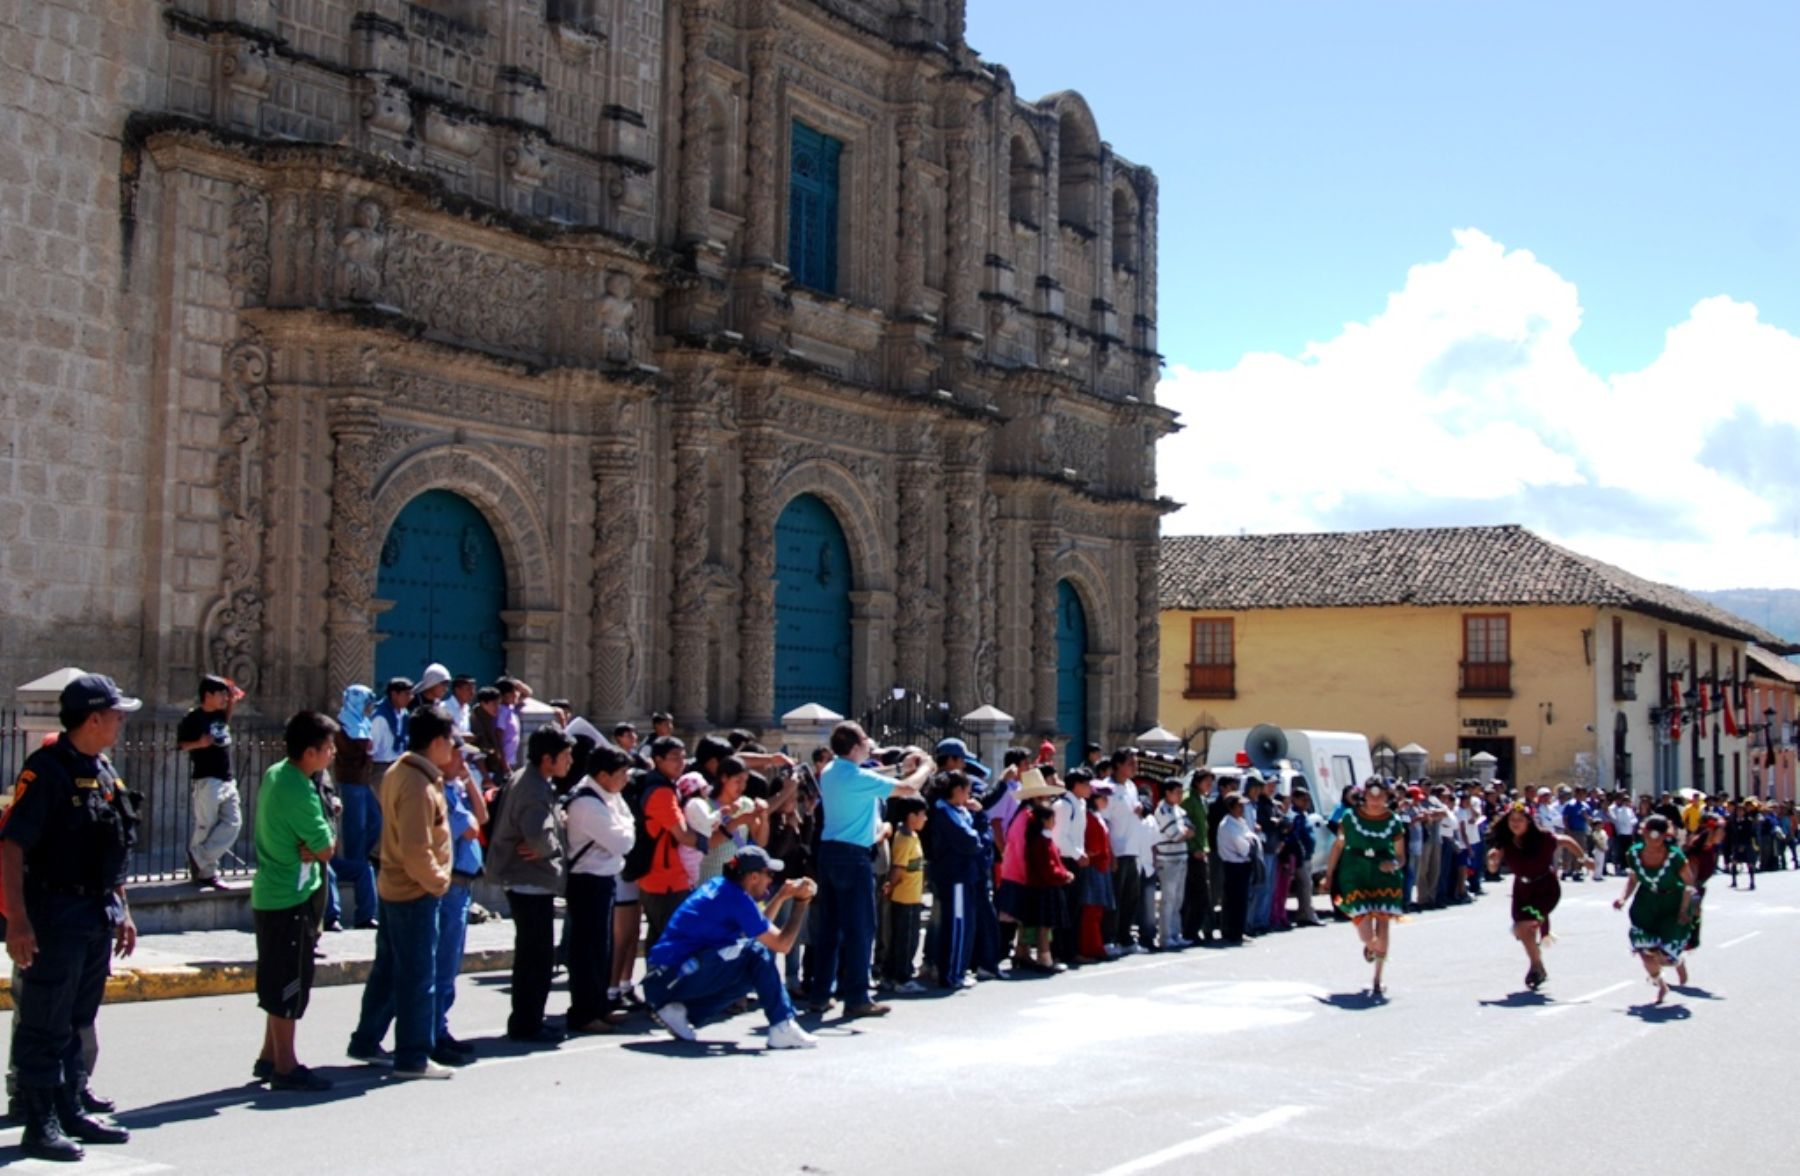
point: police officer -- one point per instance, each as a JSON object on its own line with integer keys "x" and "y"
{"x": 64, "y": 844}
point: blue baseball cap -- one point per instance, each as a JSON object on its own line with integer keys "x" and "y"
{"x": 957, "y": 749}
{"x": 90, "y": 694}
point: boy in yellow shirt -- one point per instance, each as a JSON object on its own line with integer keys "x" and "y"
{"x": 905, "y": 892}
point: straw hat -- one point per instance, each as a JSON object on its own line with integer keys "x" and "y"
{"x": 1033, "y": 787}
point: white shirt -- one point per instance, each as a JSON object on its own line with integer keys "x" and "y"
{"x": 383, "y": 747}
{"x": 603, "y": 820}
{"x": 1624, "y": 819}
{"x": 1549, "y": 816}
{"x": 1122, "y": 819}
{"x": 1468, "y": 817}
{"x": 1070, "y": 830}
{"x": 1237, "y": 840}
{"x": 459, "y": 714}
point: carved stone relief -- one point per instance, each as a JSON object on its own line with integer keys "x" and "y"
{"x": 233, "y": 628}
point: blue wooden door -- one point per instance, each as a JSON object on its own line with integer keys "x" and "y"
{"x": 1071, "y": 669}
{"x": 813, "y": 208}
{"x": 812, "y": 608}
{"x": 441, "y": 566}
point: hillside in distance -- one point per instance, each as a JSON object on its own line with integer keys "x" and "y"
{"x": 1775, "y": 609}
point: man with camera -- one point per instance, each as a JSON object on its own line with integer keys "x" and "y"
{"x": 721, "y": 944}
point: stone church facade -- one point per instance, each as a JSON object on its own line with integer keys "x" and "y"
{"x": 630, "y": 277}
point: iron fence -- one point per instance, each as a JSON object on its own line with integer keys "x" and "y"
{"x": 150, "y": 764}
{"x": 911, "y": 719}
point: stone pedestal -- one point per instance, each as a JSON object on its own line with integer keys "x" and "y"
{"x": 40, "y": 702}
{"x": 807, "y": 728}
{"x": 991, "y": 729}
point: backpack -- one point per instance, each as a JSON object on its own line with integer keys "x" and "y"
{"x": 643, "y": 850}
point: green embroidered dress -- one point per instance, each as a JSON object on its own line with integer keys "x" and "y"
{"x": 1656, "y": 906}
{"x": 1364, "y": 888}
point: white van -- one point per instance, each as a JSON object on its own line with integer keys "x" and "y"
{"x": 1328, "y": 761}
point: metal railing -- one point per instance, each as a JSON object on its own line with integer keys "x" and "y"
{"x": 148, "y": 761}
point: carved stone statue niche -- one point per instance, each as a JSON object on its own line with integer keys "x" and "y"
{"x": 361, "y": 248}
{"x": 617, "y": 315}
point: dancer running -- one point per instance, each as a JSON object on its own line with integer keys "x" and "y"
{"x": 1703, "y": 851}
{"x": 1371, "y": 848}
{"x": 1530, "y": 853}
{"x": 1662, "y": 879}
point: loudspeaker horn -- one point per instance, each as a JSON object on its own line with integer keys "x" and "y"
{"x": 1266, "y": 744}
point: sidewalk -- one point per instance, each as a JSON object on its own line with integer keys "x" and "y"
{"x": 223, "y": 963}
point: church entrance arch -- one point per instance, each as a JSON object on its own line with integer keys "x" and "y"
{"x": 812, "y": 608}
{"x": 442, "y": 570}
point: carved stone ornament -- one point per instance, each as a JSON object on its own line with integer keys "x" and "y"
{"x": 233, "y": 626}
{"x": 362, "y": 245}
{"x": 471, "y": 295}
{"x": 617, "y": 316}
{"x": 247, "y": 248}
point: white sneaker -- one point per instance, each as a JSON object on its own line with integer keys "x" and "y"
{"x": 673, "y": 1017}
{"x": 911, "y": 988}
{"x": 430, "y": 1070}
{"x": 970, "y": 982}
{"x": 789, "y": 1035}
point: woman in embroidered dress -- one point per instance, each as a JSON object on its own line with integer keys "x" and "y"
{"x": 1371, "y": 852}
{"x": 1530, "y": 853}
{"x": 1661, "y": 878}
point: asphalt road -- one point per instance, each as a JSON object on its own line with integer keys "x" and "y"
{"x": 1268, "y": 1058}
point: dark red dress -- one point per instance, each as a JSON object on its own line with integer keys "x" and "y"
{"x": 1535, "y": 888}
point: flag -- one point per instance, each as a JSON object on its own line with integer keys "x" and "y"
{"x": 1731, "y": 727}
{"x": 1705, "y": 711}
{"x": 1675, "y": 723}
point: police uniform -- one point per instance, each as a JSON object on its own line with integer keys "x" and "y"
{"x": 75, "y": 822}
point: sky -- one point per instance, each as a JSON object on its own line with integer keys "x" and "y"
{"x": 1428, "y": 263}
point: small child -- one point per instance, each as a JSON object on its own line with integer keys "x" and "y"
{"x": 1173, "y": 828}
{"x": 905, "y": 892}
{"x": 1097, "y": 893}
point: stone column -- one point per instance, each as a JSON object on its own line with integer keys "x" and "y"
{"x": 756, "y": 619}
{"x": 963, "y": 586}
{"x": 765, "y": 138}
{"x": 909, "y": 271}
{"x": 1149, "y": 632}
{"x": 693, "y": 196}
{"x": 353, "y": 420}
{"x": 1043, "y": 629}
{"x": 912, "y": 559}
{"x": 961, "y": 312}
{"x": 698, "y": 395}
{"x": 616, "y": 657}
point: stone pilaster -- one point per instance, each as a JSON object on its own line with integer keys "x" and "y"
{"x": 961, "y": 308}
{"x": 765, "y": 138}
{"x": 963, "y": 540}
{"x": 913, "y": 567}
{"x": 1149, "y": 633}
{"x": 353, "y": 419}
{"x": 1043, "y": 628}
{"x": 697, "y": 399}
{"x": 759, "y": 470}
{"x": 909, "y": 283}
{"x": 616, "y": 657}
{"x": 693, "y": 202}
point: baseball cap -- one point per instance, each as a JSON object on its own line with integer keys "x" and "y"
{"x": 751, "y": 858}
{"x": 91, "y": 693}
{"x": 947, "y": 748}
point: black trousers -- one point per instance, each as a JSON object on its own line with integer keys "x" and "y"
{"x": 1063, "y": 944}
{"x": 1128, "y": 899}
{"x": 904, "y": 919}
{"x": 587, "y": 934}
{"x": 1237, "y": 899}
{"x": 61, "y": 993}
{"x": 1198, "y": 918}
{"x": 534, "y": 960}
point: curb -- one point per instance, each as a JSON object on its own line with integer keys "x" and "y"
{"x": 235, "y": 979}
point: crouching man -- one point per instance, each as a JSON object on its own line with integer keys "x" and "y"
{"x": 720, "y": 945}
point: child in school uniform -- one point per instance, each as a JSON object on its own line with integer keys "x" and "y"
{"x": 1096, "y": 895}
{"x": 905, "y": 892}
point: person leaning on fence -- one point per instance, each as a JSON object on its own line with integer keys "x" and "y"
{"x": 287, "y": 899}
{"x": 218, "y": 814}
{"x": 65, "y": 846}
{"x": 721, "y": 945}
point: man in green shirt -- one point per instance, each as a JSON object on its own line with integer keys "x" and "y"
{"x": 1199, "y": 923}
{"x": 293, "y": 841}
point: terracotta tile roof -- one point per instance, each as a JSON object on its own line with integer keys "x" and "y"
{"x": 1769, "y": 666}
{"x": 1451, "y": 566}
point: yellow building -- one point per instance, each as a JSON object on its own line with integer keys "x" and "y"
{"x": 1461, "y": 640}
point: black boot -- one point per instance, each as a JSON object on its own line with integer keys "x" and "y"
{"x": 44, "y": 1138}
{"x": 93, "y": 1104}
{"x": 77, "y": 1122}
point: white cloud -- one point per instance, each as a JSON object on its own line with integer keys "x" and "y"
{"x": 1464, "y": 402}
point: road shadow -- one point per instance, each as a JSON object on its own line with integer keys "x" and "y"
{"x": 1694, "y": 992}
{"x": 669, "y": 1047}
{"x": 348, "y": 1082}
{"x": 1652, "y": 1014}
{"x": 1353, "y": 1002}
{"x": 1519, "y": 1000}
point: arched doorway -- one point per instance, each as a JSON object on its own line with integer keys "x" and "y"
{"x": 1071, "y": 669}
{"x": 812, "y": 608}
{"x": 441, "y": 567}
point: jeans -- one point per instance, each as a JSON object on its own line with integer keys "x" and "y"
{"x": 362, "y": 834}
{"x": 1262, "y": 897}
{"x": 1171, "y": 876}
{"x": 402, "y": 987}
{"x": 61, "y": 994}
{"x": 1237, "y": 900}
{"x": 588, "y": 933}
{"x": 534, "y": 960}
{"x": 218, "y": 816}
{"x": 453, "y": 933}
{"x": 717, "y": 978}
{"x": 334, "y": 902}
{"x": 846, "y": 906}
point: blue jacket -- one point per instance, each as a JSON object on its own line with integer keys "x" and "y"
{"x": 953, "y": 849}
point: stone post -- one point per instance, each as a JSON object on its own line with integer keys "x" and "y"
{"x": 40, "y": 702}
{"x": 353, "y": 421}
{"x": 1413, "y": 759}
{"x": 1485, "y": 765}
{"x": 807, "y": 728}
{"x": 992, "y": 730}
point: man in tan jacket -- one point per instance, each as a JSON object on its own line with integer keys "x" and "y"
{"x": 415, "y": 873}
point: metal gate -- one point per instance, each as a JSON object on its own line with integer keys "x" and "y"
{"x": 442, "y": 568}
{"x": 911, "y": 720}
{"x": 1071, "y": 669}
{"x": 812, "y": 608}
